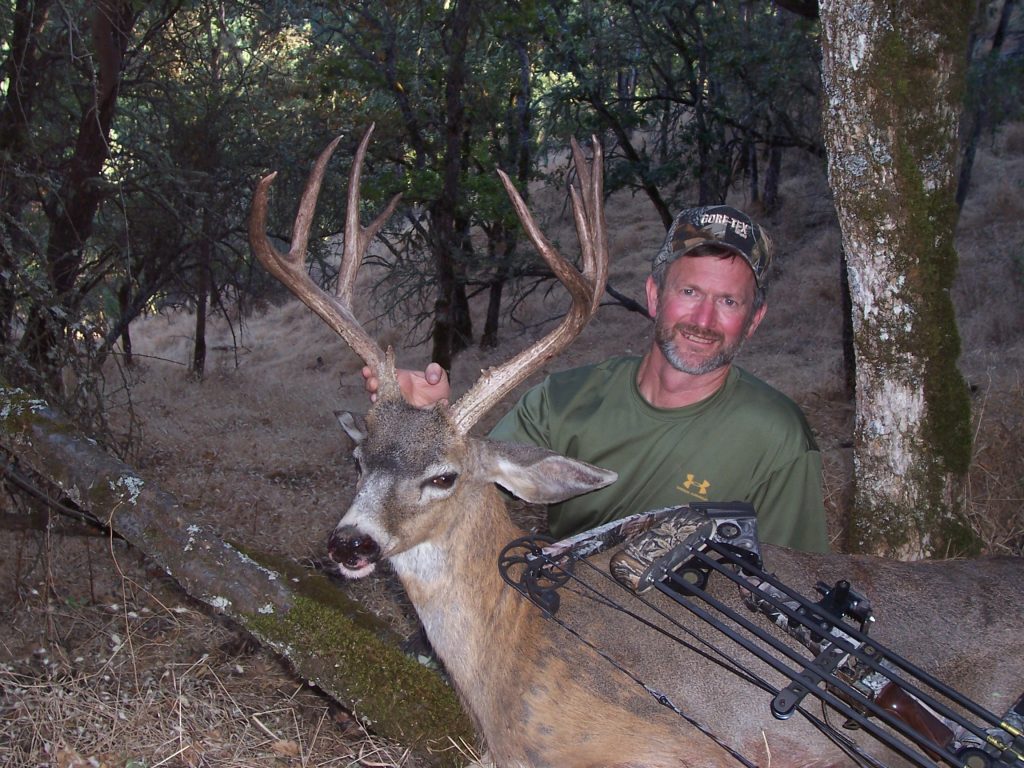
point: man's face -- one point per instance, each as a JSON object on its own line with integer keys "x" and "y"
{"x": 704, "y": 313}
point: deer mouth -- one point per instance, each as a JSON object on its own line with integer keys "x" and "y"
{"x": 355, "y": 554}
{"x": 356, "y": 573}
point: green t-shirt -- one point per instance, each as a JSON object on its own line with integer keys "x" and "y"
{"x": 747, "y": 442}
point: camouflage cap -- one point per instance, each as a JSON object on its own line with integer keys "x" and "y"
{"x": 720, "y": 225}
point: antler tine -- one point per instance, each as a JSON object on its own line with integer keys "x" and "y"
{"x": 358, "y": 238}
{"x": 290, "y": 267}
{"x": 589, "y": 216}
{"x": 585, "y": 288}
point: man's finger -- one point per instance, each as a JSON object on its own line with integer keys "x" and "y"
{"x": 433, "y": 373}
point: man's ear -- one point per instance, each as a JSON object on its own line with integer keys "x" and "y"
{"x": 652, "y": 297}
{"x": 756, "y": 319}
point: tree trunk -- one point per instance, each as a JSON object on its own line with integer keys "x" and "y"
{"x": 704, "y": 93}
{"x": 975, "y": 119}
{"x": 751, "y": 170}
{"x": 893, "y": 77}
{"x": 124, "y": 306}
{"x": 772, "y": 177}
{"x": 198, "y": 368}
{"x": 849, "y": 355}
{"x": 502, "y": 240}
{"x": 498, "y": 245}
{"x": 452, "y": 330}
{"x": 21, "y": 73}
{"x": 72, "y": 212}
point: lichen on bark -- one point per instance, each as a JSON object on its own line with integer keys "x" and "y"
{"x": 893, "y": 74}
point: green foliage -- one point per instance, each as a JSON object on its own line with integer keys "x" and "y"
{"x": 212, "y": 96}
{"x": 205, "y": 91}
{"x": 682, "y": 90}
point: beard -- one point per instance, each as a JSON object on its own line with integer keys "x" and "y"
{"x": 665, "y": 334}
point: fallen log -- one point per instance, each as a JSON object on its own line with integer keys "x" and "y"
{"x": 326, "y": 638}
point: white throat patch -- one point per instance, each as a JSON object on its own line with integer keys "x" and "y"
{"x": 423, "y": 562}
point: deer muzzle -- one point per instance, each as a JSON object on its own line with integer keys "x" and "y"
{"x": 355, "y": 553}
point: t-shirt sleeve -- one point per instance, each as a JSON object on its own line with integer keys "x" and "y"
{"x": 528, "y": 421}
{"x": 790, "y": 507}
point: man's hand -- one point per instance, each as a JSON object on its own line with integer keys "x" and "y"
{"x": 419, "y": 388}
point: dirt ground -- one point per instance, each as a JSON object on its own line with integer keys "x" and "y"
{"x": 103, "y": 662}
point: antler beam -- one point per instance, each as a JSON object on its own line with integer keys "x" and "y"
{"x": 290, "y": 267}
{"x": 585, "y": 286}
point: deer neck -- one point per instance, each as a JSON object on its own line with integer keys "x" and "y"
{"x": 470, "y": 614}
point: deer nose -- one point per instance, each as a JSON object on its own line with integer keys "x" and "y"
{"x": 351, "y": 549}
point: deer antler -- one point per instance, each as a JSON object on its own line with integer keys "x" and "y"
{"x": 290, "y": 268}
{"x": 585, "y": 288}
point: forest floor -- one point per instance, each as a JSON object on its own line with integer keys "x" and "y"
{"x": 103, "y": 662}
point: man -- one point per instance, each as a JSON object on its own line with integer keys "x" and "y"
{"x": 681, "y": 423}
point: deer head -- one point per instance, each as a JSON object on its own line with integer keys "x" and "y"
{"x": 420, "y": 471}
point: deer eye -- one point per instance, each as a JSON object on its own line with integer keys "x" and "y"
{"x": 445, "y": 481}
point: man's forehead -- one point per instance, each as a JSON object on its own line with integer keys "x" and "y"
{"x": 729, "y": 270}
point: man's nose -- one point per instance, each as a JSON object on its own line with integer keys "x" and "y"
{"x": 703, "y": 312}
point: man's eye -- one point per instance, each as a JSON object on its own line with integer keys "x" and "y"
{"x": 445, "y": 481}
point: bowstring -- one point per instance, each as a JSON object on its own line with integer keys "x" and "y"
{"x": 714, "y": 654}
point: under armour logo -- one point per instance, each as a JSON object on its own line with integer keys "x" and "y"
{"x": 692, "y": 487}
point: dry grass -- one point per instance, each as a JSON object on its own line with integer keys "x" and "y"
{"x": 988, "y": 298}
{"x": 1012, "y": 139}
{"x": 105, "y": 665}
{"x": 995, "y": 491}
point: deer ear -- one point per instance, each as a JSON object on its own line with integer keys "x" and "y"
{"x": 538, "y": 475}
{"x": 352, "y": 426}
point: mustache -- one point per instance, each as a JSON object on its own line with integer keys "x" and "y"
{"x": 697, "y": 331}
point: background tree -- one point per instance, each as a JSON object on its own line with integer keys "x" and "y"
{"x": 994, "y": 79}
{"x": 894, "y": 79}
{"x": 64, "y": 69}
{"x": 449, "y": 90}
{"x": 191, "y": 147}
{"x": 143, "y": 201}
{"x": 24, "y": 69}
{"x": 71, "y": 205}
{"x": 713, "y": 85}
